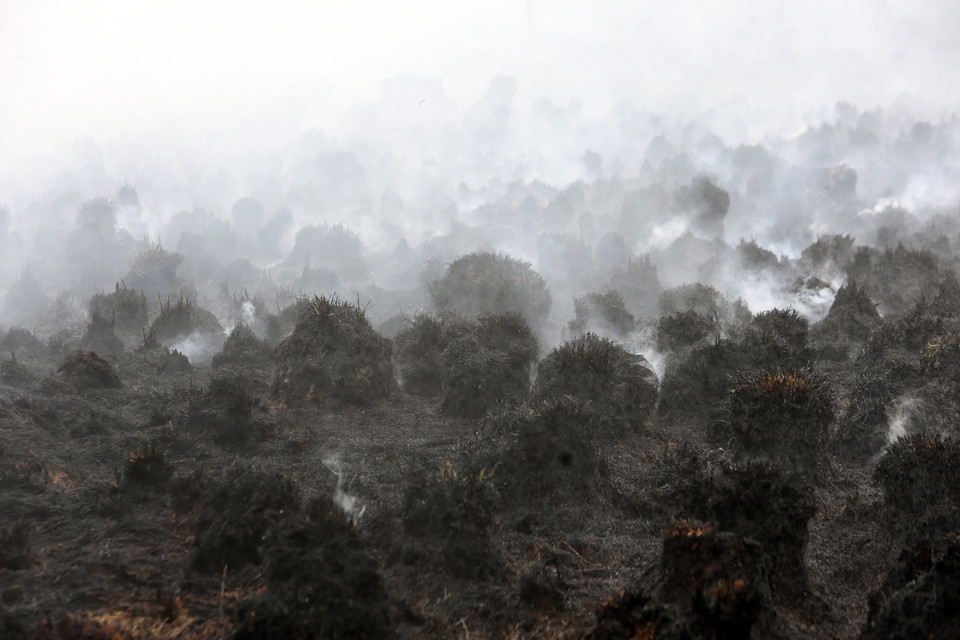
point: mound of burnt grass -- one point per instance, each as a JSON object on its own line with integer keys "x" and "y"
{"x": 148, "y": 467}
{"x": 701, "y": 379}
{"x": 605, "y": 312}
{"x": 919, "y": 597}
{"x": 180, "y": 319}
{"x": 322, "y": 581}
{"x": 619, "y": 386}
{"x": 333, "y": 353}
{"x": 548, "y": 452}
{"x": 25, "y": 301}
{"x": 788, "y": 324}
{"x": 485, "y": 283}
{"x": 862, "y": 427}
{"x": 99, "y": 336}
{"x": 489, "y": 365}
{"x": 895, "y": 278}
{"x": 920, "y": 478}
{"x": 15, "y": 374}
{"x": 418, "y": 351}
{"x": 780, "y": 416}
{"x": 852, "y": 317}
{"x": 709, "y": 586}
{"x": 447, "y": 518}
{"x": 18, "y": 341}
{"x": 639, "y": 285}
{"x": 172, "y": 362}
{"x": 236, "y": 515}
{"x": 154, "y": 272}
{"x": 683, "y": 329}
{"x": 242, "y": 349}
{"x": 125, "y": 308}
{"x": 226, "y": 411}
{"x": 758, "y": 503}
{"x": 87, "y": 370}
{"x": 705, "y": 300}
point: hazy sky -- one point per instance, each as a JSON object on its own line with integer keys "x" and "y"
{"x": 107, "y": 68}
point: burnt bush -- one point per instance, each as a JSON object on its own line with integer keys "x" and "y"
{"x": 480, "y": 283}
{"x": 25, "y": 301}
{"x": 895, "y": 277}
{"x": 862, "y": 427}
{"x": 852, "y": 316}
{"x": 489, "y": 364}
{"x": 236, "y": 515}
{"x": 99, "y": 336}
{"x": 761, "y": 503}
{"x": 15, "y": 549}
{"x": 148, "y": 467}
{"x": 920, "y": 478}
{"x": 225, "y": 411}
{"x": 619, "y": 386}
{"x": 322, "y": 582}
{"x": 333, "y": 353}
{"x": 419, "y": 351}
{"x": 788, "y": 324}
{"x": 701, "y": 379}
{"x": 603, "y": 312}
{"x": 544, "y": 453}
{"x": 919, "y": 597}
{"x": 703, "y": 299}
{"x": 242, "y": 348}
{"x": 18, "y": 341}
{"x": 154, "y": 272}
{"x": 180, "y": 319}
{"x": 15, "y": 374}
{"x": 683, "y": 329}
{"x": 782, "y": 416}
{"x": 87, "y": 370}
{"x": 451, "y": 514}
{"x": 639, "y": 285}
{"x": 125, "y": 308}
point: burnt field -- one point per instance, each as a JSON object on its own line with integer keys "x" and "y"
{"x": 318, "y": 479}
{"x": 506, "y": 411}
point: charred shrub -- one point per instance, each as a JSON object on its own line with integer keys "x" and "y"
{"x": 225, "y": 411}
{"x": 180, "y": 319}
{"x": 703, "y": 299}
{"x": 639, "y": 285}
{"x": 21, "y": 342}
{"x": 788, "y": 324}
{"x": 99, "y": 336}
{"x": 237, "y": 514}
{"x": 852, "y": 316}
{"x": 15, "y": 550}
{"x": 761, "y": 503}
{"x": 25, "y": 301}
{"x": 147, "y": 467}
{"x": 919, "y": 598}
{"x": 242, "y": 348}
{"x": 896, "y": 277}
{"x": 419, "y": 351}
{"x": 605, "y": 312}
{"x": 15, "y": 374}
{"x": 451, "y": 513}
{"x": 87, "y": 370}
{"x": 171, "y": 361}
{"x": 333, "y": 353}
{"x": 125, "y": 308}
{"x": 619, "y": 386}
{"x": 702, "y": 378}
{"x": 683, "y": 329}
{"x": 322, "y": 582}
{"x": 920, "y": 478}
{"x": 187, "y": 492}
{"x": 862, "y": 427}
{"x": 545, "y": 453}
{"x": 713, "y": 579}
{"x": 494, "y": 283}
{"x": 783, "y": 416}
{"x": 154, "y": 271}
{"x": 489, "y": 364}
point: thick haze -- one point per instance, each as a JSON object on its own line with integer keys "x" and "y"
{"x": 117, "y": 68}
{"x": 358, "y": 147}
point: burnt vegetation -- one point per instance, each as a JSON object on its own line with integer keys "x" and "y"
{"x": 273, "y": 431}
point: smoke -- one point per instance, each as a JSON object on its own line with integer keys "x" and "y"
{"x": 901, "y": 418}
{"x": 348, "y": 503}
